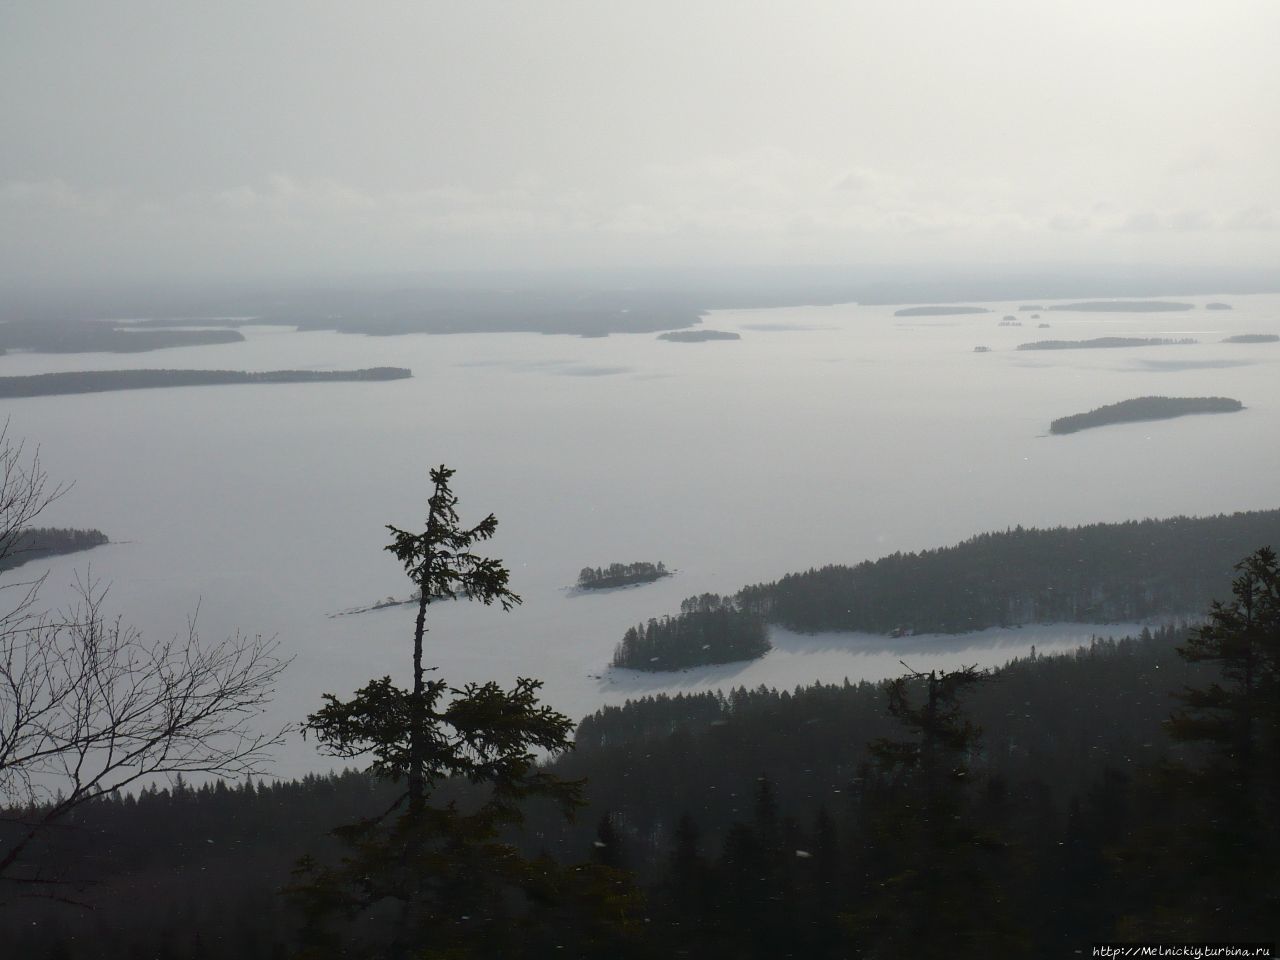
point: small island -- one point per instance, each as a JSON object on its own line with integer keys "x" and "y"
{"x": 1252, "y": 338}
{"x": 710, "y": 629}
{"x": 981, "y": 349}
{"x": 1122, "y": 306}
{"x": 942, "y": 311}
{"x": 1144, "y": 408}
{"x": 1102, "y": 343}
{"x": 1217, "y": 306}
{"x": 697, "y": 336}
{"x": 98, "y": 381}
{"x": 36, "y": 543}
{"x": 621, "y": 575}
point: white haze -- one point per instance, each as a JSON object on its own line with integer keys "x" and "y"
{"x": 831, "y": 434}
{"x": 147, "y": 140}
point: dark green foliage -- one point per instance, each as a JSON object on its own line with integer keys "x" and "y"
{"x": 675, "y": 775}
{"x": 421, "y": 879}
{"x": 96, "y": 381}
{"x": 1217, "y": 811}
{"x": 621, "y": 575}
{"x": 709, "y": 629}
{"x": 1099, "y": 573}
{"x": 812, "y": 823}
{"x": 36, "y": 543}
{"x": 1144, "y": 408}
{"x": 939, "y": 898}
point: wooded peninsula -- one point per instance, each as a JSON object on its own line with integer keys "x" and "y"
{"x": 36, "y": 543}
{"x": 1101, "y": 573}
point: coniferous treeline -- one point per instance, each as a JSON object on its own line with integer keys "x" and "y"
{"x": 35, "y": 543}
{"x": 710, "y": 629}
{"x": 1093, "y": 574}
{"x": 1144, "y": 408}
{"x": 1122, "y": 793}
{"x": 621, "y": 574}
{"x": 756, "y": 824}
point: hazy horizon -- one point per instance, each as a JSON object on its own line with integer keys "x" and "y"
{"x": 153, "y": 143}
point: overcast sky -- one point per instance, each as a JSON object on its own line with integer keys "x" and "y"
{"x": 224, "y": 138}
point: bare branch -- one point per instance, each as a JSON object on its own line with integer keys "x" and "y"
{"x": 89, "y": 706}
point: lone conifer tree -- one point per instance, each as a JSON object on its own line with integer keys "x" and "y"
{"x": 422, "y": 867}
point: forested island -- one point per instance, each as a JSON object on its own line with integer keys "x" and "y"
{"x": 940, "y": 311}
{"x": 97, "y": 381}
{"x": 1101, "y": 573}
{"x": 1252, "y": 338}
{"x": 710, "y": 629}
{"x": 1102, "y": 343}
{"x": 621, "y": 575}
{"x": 1122, "y": 306}
{"x": 698, "y": 336}
{"x": 1217, "y": 306}
{"x": 36, "y": 543}
{"x": 84, "y": 336}
{"x": 1144, "y": 408}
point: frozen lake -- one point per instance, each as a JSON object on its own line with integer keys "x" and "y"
{"x": 826, "y": 434}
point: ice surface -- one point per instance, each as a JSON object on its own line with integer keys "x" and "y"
{"x": 827, "y": 434}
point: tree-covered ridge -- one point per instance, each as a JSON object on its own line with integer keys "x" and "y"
{"x": 35, "y": 543}
{"x": 1093, "y": 574}
{"x": 621, "y": 574}
{"x": 1144, "y": 408}
{"x": 97, "y": 381}
{"x": 710, "y": 629}
{"x": 1102, "y": 343}
{"x": 1252, "y": 338}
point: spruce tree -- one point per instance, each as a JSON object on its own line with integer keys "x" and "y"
{"x": 424, "y": 879}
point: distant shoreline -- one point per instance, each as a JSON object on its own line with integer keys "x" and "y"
{"x": 101, "y": 381}
{"x": 1105, "y": 343}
